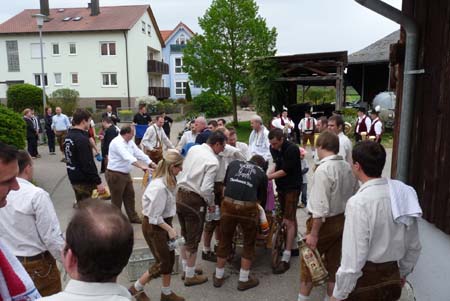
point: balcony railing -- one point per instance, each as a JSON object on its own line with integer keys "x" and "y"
{"x": 157, "y": 67}
{"x": 159, "y": 92}
{"x": 177, "y": 48}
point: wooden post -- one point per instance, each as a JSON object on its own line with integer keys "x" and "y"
{"x": 339, "y": 87}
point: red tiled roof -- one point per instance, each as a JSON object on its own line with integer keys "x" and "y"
{"x": 110, "y": 18}
{"x": 167, "y": 33}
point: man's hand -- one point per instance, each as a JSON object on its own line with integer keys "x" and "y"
{"x": 403, "y": 281}
{"x": 311, "y": 241}
{"x": 101, "y": 188}
{"x": 153, "y": 165}
{"x": 212, "y": 209}
{"x": 145, "y": 168}
{"x": 172, "y": 233}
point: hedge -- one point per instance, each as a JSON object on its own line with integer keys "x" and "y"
{"x": 12, "y": 128}
{"x": 22, "y": 96}
{"x": 212, "y": 105}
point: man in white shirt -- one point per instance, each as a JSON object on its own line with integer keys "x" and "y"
{"x": 258, "y": 143}
{"x": 336, "y": 125}
{"x": 377, "y": 252}
{"x": 186, "y": 138}
{"x": 284, "y": 123}
{"x": 60, "y": 125}
{"x": 123, "y": 154}
{"x": 30, "y": 228}
{"x": 99, "y": 242}
{"x": 333, "y": 184}
{"x": 307, "y": 127}
{"x": 154, "y": 139}
{"x": 232, "y": 140}
{"x": 15, "y": 283}
{"x": 362, "y": 125}
{"x": 196, "y": 195}
{"x": 376, "y": 129}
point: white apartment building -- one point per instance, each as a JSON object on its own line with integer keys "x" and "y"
{"x": 110, "y": 55}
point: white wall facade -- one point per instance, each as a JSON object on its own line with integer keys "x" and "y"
{"x": 88, "y": 62}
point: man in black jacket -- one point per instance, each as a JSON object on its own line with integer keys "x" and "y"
{"x": 109, "y": 113}
{"x": 110, "y": 131}
{"x": 49, "y": 131}
{"x": 32, "y": 136}
{"x": 286, "y": 156}
{"x": 81, "y": 168}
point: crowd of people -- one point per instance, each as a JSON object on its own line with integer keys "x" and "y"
{"x": 358, "y": 221}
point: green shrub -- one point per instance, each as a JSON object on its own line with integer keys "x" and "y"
{"x": 12, "y": 128}
{"x": 66, "y": 99}
{"x": 350, "y": 112}
{"x": 24, "y": 96}
{"x": 125, "y": 115}
{"x": 212, "y": 105}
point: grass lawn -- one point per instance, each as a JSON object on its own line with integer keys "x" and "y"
{"x": 243, "y": 131}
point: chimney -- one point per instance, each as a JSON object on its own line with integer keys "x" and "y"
{"x": 45, "y": 9}
{"x": 95, "y": 7}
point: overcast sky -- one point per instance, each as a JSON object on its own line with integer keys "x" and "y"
{"x": 303, "y": 26}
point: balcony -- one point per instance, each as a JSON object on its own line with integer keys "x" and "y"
{"x": 159, "y": 92}
{"x": 177, "y": 48}
{"x": 157, "y": 67}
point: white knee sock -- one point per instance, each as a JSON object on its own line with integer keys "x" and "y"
{"x": 138, "y": 286}
{"x": 326, "y": 298}
{"x": 166, "y": 290}
{"x": 183, "y": 264}
{"x": 206, "y": 249}
{"x": 190, "y": 272}
{"x": 220, "y": 272}
{"x": 286, "y": 256}
{"x": 243, "y": 275}
{"x": 302, "y": 298}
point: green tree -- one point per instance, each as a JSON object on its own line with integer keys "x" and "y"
{"x": 188, "y": 93}
{"x": 24, "y": 96}
{"x": 234, "y": 34}
{"x": 12, "y": 128}
{"x": 65, "y": 98}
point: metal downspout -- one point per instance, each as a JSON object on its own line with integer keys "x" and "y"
{"x": 409, "y": 81}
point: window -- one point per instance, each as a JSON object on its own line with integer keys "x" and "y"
{"x": 181, "y": 40}
{"x": 143, "y": 26}
{"x": 149, "y": 30}
{"x": 180, "y": 88}
{"x": 109, "y": 79}
{"x": 108, "y": 48}
{"x": 74, "y": 78}
{"x": 55, "y": 49}
{"x": 36, "y": 50}
{"x": 12, "y": 53}
{"x": 72, "y": 49}
{"x": 58, "y": 78}
{"x": 38, "y": 81}
{"x": 179, "y": 65}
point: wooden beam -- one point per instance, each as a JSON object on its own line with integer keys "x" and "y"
{"x": 315, "y": 70}
{"x": 309, "y": 78}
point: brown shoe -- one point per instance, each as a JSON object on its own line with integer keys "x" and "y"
{"x": 219, "y": 282}
{"x": 198, "y": 271}
{"x": 171, "y": 297}
{"x": 197, "y": 279}
{"x": 138, "y": 295}
{"x": 252, "y": 282}
{"x": 282, "y": 267}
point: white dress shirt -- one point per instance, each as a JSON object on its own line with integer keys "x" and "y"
{"x": 123, "y": 154}
{"x": 332, "y": 185}
{"x": 91, "y": 291}
{"x": 278, "y": 124}
{"x": 187, "y": 137}
{"x": 28, "y": 223}
{"x": 199, "y": 172}
{"x": 377, "y": 126}
{"x": 367, "y": 120}
{"x": 243, "y": 147}
{"x": 158, "y": 202}
{"x": 370, "y": 234}
{"x": 258, "y": 143}
{"x": 345, "y": 148}
{"x": 155, "y": 136}
{"x": 302, "y": 125}
{"x": 229, "y": 154}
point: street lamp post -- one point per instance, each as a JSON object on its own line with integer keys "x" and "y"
{"x": 40, "y": 23}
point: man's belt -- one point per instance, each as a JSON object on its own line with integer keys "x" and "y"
{"x": 119, "y": 172}
{"x": 40, "y": 256}
{"x": 308, "y": 132}
{"x": 237, "y": 202}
